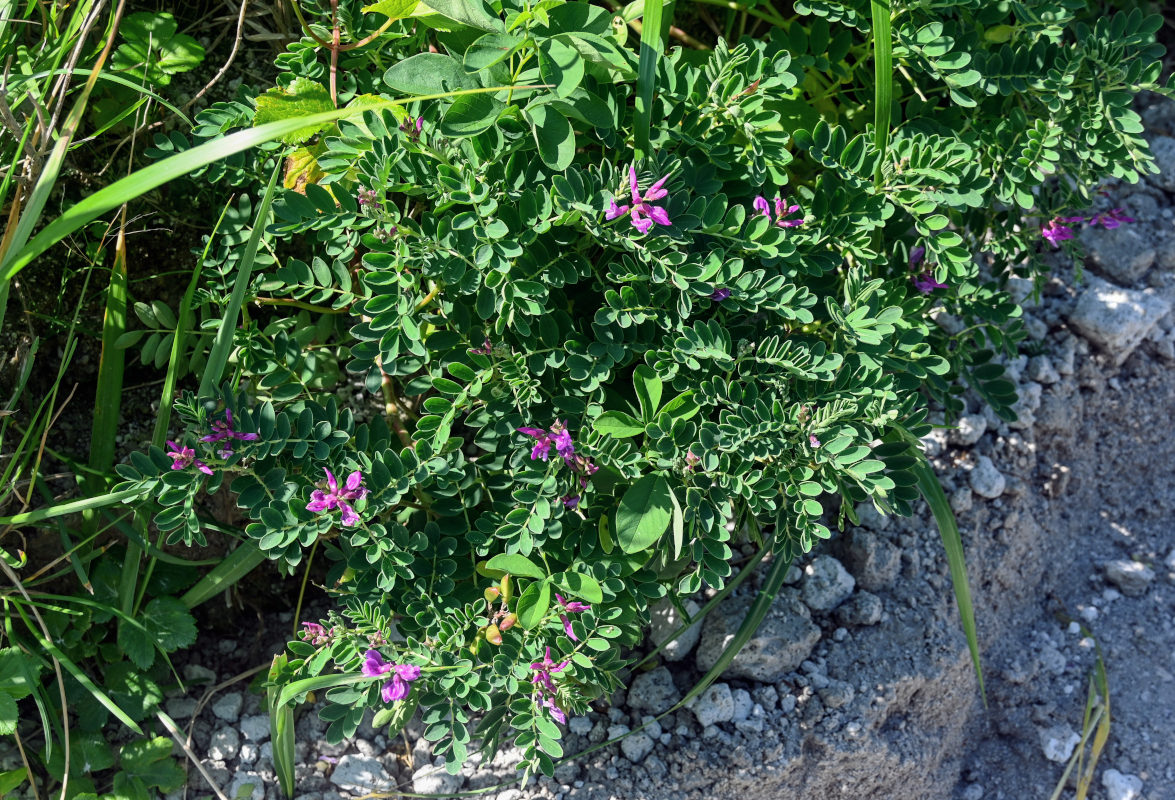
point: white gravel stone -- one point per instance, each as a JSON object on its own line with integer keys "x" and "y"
{"x": 637, "y": 746}
{"x": 1120, "y": 786}
{"x": 1058, "y": 743}
{"x": 1117, "y": 319}
{"x": 826, "y": 584}
{"x": 653, "y": 691}
{"x": 181, "y": 707}
{"x": 1131, "y": 577}
{"x": 225, "y": 744}
{"x": 665, "y": 619}
{"x": 228, "y": 707}
{"x": 986, "y": 480}
{"x": 968, "y": 430}
{"x": 714, "y": 705}
{"x": 1041, "y": 370}
{"x": 781, "y": 643}
{"x": 430, "y": 779}
{"x": 580, "y": 726}
{"x": 197, "y": 674}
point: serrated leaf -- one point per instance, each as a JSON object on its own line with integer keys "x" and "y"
{"x": 170, "y": 622}
{"x": 303, "y": 96}
{"x": 393, "y": 9}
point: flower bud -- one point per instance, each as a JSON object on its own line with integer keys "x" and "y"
{"x": 508, "y": 621}
{"x": 493, "y": 635}
{"x": 491, "y": 594}
{"x": 505, "y": 584}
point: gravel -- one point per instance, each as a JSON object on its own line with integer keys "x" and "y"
{"x": 1117, "y": 319}
{"x": 432, "y": 779}
{"x": 228, "y": 707}
{"x": 1120, "y": 786}
{"x": 225, "y": 744}
{"x": 873, "y": 561}
{"x": 781, "y": 643}
{"x": 714, "y": 705}
{"x": 1131, "y": 577}
{"x": 986, "y": 480}
{"x": 665, "y": 620}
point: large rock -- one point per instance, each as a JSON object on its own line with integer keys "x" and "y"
{"x": 826, "y": 584}
{"x": 653, "y": 691}
{"x": 1117, "y": 319}
{"x": 665, "y": 620}
{"x": 1131, "y": 577}
{"x": 1124, "y": 253}
{"x": 782, "y": 642}
{"x": 1163, "y": 149}
{"x": 872, "y": 560}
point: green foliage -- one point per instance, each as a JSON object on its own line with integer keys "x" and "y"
{"x": 584, "y": 408}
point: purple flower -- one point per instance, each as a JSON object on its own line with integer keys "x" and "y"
{"x": 485, "y": 349}
{"x": 782, "y": 211}
{"x": 1055, "y": 232}
{"x": 329, "y": 497}
{"x": 916, "y": 255}
{"x": 543, "y": 671}
{"x": 571, "y": 501}
{"x": 642, "y": 212}
{"x": 926, "y": 283}
{"x": 412, "y": 126}
{"x": 542, "y": 445}
{"x": 691, "y": 461}
{"x": 557, "y": 713}
{"x": 573, "y": 607}
{"x": 718, "y": 295}
{"x": 368, "y": 197}
{"x": 812, "y": 440}
{"x": 402, "y": 674}
{"x": 314, "y": 633}
{"x": 561, "y": 437}
{"x": 184, "y": 457}
{"x": 1111, "y": 219}
{"x": 222, "y": 431}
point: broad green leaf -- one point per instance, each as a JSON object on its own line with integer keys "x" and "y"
{"x": 9, "y": 715}
{"x": 136, "y": 644}
{"x": 678, "y": 409}
{"x": 618, "y": 425}
{"x": 555, "y": 138}
{"x": 533, "y": 604}
{"x": 519, "y": 566}
{"x": 560, "y": 65}
{"x": 303, "y": 96}
{"x": 605, "y": 530}
{"x": 491, "y": 49}
{"x": 470, "y": 115}
{"x": 393, "y": 9}
{"x": 15, "y": 671}
{"x": 469, "y": 12}
{"x": 11, "y": 779}
{"x": 678, "y": 525}
{"x": 644, "y": 513}
{"x": 428, "y": 73}
{"x": 648, "y": 390}
{"x": 396, "y": 715}
{"x": 582, "y": 586}
{"x": 153, "y": 50}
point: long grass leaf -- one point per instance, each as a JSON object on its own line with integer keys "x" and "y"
{"x": 646, "y": 82}
{"x": 281, "y": 733}
{"x": 111, "y": 366}
{"x": 882, "y": 78}
{"x": 154, "y": 175}
{"x": 72, "y": 507}
{"x": 952, "y": 543}
{"x": 231, "y": 569}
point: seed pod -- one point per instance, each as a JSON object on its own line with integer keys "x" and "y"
{"x": 505, "y": 584}
{"x": 493, "y": 635}
{"x": 491, "y": 594}
{"x": 508, "y": 621}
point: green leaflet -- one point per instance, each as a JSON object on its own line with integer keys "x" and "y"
{"x": 644, "y": 513}
{"x": 301, "y": 98}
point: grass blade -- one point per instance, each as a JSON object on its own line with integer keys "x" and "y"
{"x": 72, "y": 507}
{"x": 281, "y": 733}
{"x": 952, "y": 543}
{"x": 883, "y": 79}
{"x": 646, "y": 82}
{"x": 231, "y": 569}
{"x": 111, "y": 364}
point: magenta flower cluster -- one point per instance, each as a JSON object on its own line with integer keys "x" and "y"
{"x": 398, "y": 687}
{"x": 184, "y": 457}
{"x": 923, "y": 281}
{"x": 1058, "y": 229}
{"x": 329, "y": 497}
{"x": 413, "y": 127}
{"x": 569, "y": 607}
{"x": 560, "y": 438}
{"x": 642, "y": 212}
{"x": 223, "y": 432}
{"x": 782, "y": 211}
{"x": 544, "y": 687}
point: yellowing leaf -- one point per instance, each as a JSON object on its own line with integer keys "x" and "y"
{"x": 393, "y": 9}
{"x": 302, "y": 168}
